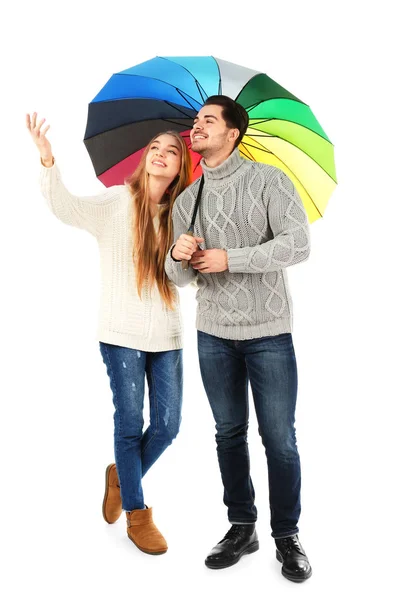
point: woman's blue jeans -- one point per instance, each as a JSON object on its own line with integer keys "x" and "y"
{"x": 135, "y": 451}
{"x": 269, "y": 364}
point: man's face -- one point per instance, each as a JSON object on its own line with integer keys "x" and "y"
{"x": 210, "y": 134}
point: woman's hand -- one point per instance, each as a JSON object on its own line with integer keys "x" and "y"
{"x": 38, "y": 134}
{"x": 185, "y": 246}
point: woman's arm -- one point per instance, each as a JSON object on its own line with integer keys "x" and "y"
{"x": 173, "y": 267}
{"x": 88, "y": 213}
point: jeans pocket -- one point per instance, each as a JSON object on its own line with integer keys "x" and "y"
{"x": 283, "y": 341}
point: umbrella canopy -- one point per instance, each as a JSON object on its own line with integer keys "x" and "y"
{"x": 167, "y": 92}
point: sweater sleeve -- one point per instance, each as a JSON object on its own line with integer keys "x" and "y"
{"x": 90, "y": 212}
{"x": 289, "y": 225}
{"x": 174, "y": 268}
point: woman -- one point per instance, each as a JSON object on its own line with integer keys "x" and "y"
{"x": 140, "y": 328}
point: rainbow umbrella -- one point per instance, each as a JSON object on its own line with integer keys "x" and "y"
{"x": 167, "y": 92}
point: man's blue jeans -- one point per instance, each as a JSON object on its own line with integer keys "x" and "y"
{"x": 269, "y": 363}
{"x": 135, "y": 451}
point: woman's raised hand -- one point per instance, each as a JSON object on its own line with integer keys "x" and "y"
{"x": 38, "y": 134}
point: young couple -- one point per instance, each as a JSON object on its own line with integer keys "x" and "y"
{"x": 252, "y": 225}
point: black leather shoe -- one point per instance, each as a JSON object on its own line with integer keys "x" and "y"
{"x": 240, "y": 539}
{"x": 295, "y": 564}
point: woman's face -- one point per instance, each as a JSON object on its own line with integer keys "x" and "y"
{"x": 164, "y": 157}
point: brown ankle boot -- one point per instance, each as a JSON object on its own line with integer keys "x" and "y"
{"x": 143, "y": 533}
{"x": 112, "y": 503}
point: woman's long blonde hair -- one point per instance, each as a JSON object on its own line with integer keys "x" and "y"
{"x": 149, "y": 253}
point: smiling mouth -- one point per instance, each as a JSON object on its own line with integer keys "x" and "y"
{"x": 158, "y": 163}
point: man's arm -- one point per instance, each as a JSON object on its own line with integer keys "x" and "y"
{"x": 289, "y": 224}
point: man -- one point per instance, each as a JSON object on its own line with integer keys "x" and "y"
{"x": 253, "y": 226}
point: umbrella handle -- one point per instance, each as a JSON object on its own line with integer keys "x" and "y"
{"x": 185, "y": 263}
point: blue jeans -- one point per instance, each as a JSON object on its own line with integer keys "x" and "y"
{"x": 135, "y": 451}
{"x": 269, "y": 363}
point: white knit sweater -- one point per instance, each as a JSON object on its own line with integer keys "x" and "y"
{"x": 124, "y": 319}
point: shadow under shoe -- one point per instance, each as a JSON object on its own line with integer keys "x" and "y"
{"x": 143, "y": 532}
{"x": 240, "y": 540}
{"x": 112, "y": 503}
{"x": 295, "y": 564}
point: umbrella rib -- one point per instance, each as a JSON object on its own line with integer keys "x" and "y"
{"x": 186, "y": 100}
{"x": 253, "y": 106}
{"x": 180, "y": 109}
{"x": 248, "y": 109}
{"x": 134, "y": 123}
{"x": 173, "y": 122}
{"x": 294, "y": 146}
{"x": 200, "y": 90}
{"x": 161, "y": 81}
{"x": 171, "y": 105}
{"x": 252, "y": 157}
{"x": 219, "y": 79}
{"x": 289, "y": 169}
{"x": 294, "y": 123}
{"x": 199, "y": 86}
{"x": 293, "y": 97}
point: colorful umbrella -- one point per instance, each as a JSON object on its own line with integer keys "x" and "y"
{"x": 167, "y": 92}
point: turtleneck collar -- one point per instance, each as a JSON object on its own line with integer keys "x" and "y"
{"x": 232, "y": 165}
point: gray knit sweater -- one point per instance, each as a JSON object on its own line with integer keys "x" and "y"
{"x": 252, "y": 211}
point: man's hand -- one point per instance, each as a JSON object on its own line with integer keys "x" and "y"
{"x": 210, "y": 261}
{"x": 185, "y": 246}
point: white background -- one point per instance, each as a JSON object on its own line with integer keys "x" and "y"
{"x": 56, "y": 409}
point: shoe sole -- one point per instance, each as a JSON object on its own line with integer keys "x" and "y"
{"x": 249, "y": 550}
{"x": 147, "y": 551}
{"x": 106, "y": 496}
{"x": 291, "y": 577}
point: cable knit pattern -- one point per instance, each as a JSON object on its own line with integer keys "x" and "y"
{"x": 124, "y": 319}
{"x": 252, "y": 211}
